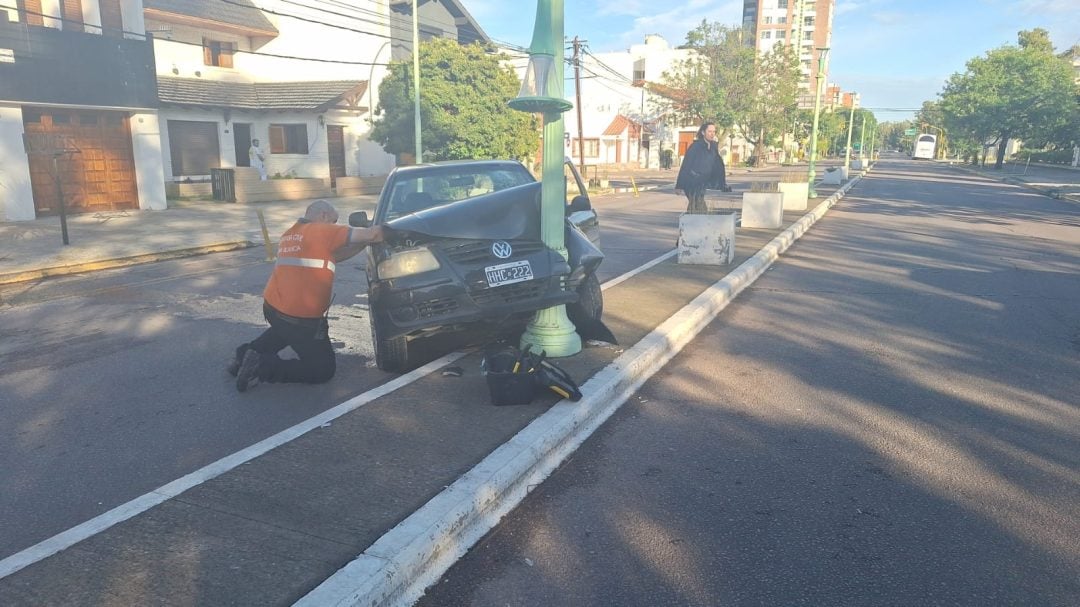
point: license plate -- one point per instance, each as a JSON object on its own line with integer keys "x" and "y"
{"x": 508, "y": 273}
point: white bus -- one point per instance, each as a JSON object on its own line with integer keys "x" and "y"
{"x": 924, "y": 147}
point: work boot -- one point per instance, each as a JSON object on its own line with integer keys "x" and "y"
{"x": 234, "y": 364}
{"x": 247, "y": 375}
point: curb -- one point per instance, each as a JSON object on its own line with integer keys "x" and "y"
{"x": 404, "y": 562}
{"x": 120, "y": 262}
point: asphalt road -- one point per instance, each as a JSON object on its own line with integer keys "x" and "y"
{"x": 888, "y": 417}
{"x": 113, "y": 383}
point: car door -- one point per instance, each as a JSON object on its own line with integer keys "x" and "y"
{"x": 578, "y": 205}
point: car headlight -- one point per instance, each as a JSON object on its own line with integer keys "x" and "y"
{"x": 407, "y": 263}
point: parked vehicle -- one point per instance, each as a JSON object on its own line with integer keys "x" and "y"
{"x": 466, "y": 254}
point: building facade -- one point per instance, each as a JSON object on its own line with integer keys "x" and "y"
{"x": 804, "y": 24}
{"x": 231, "y": 74}
{"x": 623, "y": 117}
{"x": 78, "y": 109}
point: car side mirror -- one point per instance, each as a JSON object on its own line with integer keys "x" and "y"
{"x": 359, "y": 219}
{"x": 580, "y": 203}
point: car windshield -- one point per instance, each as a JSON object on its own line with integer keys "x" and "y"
{"x": 418, "y": 190}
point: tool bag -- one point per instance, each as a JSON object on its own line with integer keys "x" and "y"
{"x": 515, "y": 377}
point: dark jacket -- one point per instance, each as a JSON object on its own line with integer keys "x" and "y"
{"x": 702, "y": 167}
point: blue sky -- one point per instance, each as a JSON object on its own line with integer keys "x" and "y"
{"x": 895, "y": 53}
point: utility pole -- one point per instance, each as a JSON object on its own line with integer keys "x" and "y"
{"x": 577, "y": 92}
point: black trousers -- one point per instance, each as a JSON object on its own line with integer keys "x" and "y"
{"x": 308, "y": 337}
{"x": 696, "y": 202}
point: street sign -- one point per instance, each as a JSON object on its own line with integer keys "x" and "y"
{"x": 909, "y": 132}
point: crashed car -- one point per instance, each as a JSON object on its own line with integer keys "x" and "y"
{"x": 466, "y": 255}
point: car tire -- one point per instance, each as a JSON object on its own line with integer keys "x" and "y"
{"x": 590, "y": 303}
{"x": 390, "y": 354}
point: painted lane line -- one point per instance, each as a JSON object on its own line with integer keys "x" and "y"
{"x": 632, "y": 273}
{"x": 136, "y": 506}
{"x": 404, "y": 562}
{"x": 123, "y": 512}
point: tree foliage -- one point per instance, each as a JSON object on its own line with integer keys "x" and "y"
{"x": 1023, "y": 91}
{"x": 727, "y": 82}
{"x": 463, "y": 106}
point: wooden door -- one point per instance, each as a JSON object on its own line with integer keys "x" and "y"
{"x": 335, "y": 141}
{"x": 100, "y": 176}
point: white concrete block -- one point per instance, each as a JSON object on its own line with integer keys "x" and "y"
{"x": 833, "y": 177}
{"x": 796, "y": 195}
{"x": 706, "y": 239}
{"x": 762, "y": 209}
{"x": 856, "y": 165}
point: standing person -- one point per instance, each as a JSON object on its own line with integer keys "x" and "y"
{"x": 701, "y": 168}
{"x": 257, "y": 159}
{"x": 296, "y": 301}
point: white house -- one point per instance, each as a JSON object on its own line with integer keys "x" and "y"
{"x": 623, "y": 121}
{"x": 78, "y": 117}
{"x": 294, "y": 78}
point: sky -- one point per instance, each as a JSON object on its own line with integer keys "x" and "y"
{"x": 895, "y": 53}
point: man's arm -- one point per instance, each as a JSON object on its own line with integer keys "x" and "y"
{"x": 359, "y": 238}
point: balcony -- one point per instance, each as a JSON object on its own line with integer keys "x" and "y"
{"x": 47, "y": 65}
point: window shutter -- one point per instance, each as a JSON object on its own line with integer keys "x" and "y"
{"x": 73, "y": 17}
{"x": 112, "y": 20}
{"x": 226, "y": 54}
{"x": 207, "y": 52}
{"x": 277, "y": 139}
{"x": 30, "y": 12}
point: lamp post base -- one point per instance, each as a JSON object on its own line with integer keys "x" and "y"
{"x": 551, "y": 331}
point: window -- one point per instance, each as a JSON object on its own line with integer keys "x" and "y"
{"x": 782, "y": 4}
{"x": 808, "y": 21}
{"x": 288, "y": 139}
{"x": 193, "y": 147}
{"x": 767, "y": 34}
{"x": 592, "y": 148}
{"x": 782, "y": 20}
{"x": 781, "y": 34}
{"x": 218, "y": 53}
{"x": 768, "y": 20}
{"x": 639, "y": 75}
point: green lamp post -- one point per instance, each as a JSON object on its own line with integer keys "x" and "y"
{"x": 850, "y": 128}
{"x": 542, "y": 92}
{"x": 822, "y": 53}
{"x": 862, "y": 142}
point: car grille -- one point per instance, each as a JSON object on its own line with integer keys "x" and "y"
{"x": 436, "y": 307}
{"x": 508, "y": 294}
{"x": 479, "y": 251}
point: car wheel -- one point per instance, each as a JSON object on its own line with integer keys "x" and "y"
{"x": 590, "y": 303}
{"x": 390, "y": 354}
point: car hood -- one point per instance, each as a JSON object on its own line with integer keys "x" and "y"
{"x": 510, "y": 214}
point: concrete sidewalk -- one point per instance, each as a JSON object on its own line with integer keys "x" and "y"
{"x": 368, "y": 502}
{"x": 30, "y": 250}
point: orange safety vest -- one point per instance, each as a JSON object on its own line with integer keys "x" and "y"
{"x": 303, "y": 277}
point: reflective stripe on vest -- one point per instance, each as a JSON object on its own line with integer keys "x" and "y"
{"x": 304, "y": 262}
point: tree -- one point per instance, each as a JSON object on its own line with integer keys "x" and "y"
{"x": 712, "y": 83}
{"x": 463, "y": 106}
{"x": 772, "y": 97}
{"x": 726, "y": 81}
{"x": 1022, "y": 91}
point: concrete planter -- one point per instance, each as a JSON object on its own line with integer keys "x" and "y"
{"x": 796, "y": 195}
{"x": 706, "y": 239}
{"x": 249, "y": 188}
{"x": 833, "y": 176}
{"x": 856, "y": 165}
{"x": 762, "y": 209}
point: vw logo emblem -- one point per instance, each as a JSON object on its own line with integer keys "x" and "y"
{"x": 501, "y": 249}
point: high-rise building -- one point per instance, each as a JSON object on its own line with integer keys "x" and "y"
{"x": 804, "y": 24}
